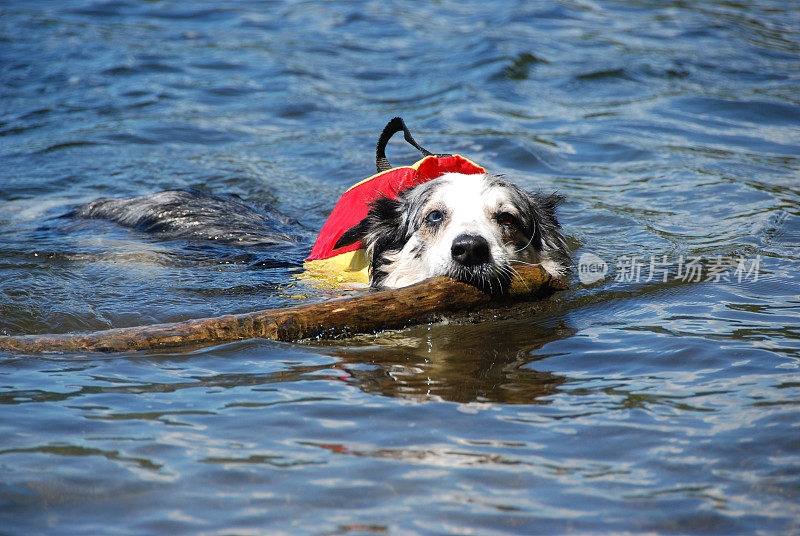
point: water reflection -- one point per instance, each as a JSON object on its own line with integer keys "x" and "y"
{"x": 476, "y": 362}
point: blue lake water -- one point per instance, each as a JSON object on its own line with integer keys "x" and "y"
{"x": 629, "y": 405}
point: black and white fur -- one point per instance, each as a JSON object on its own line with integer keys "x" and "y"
{"x": 471, "y": 227}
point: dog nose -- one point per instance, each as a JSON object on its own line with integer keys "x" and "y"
{"x": 470, "y": 250}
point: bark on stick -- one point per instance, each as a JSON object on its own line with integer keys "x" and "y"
{"x": 370, "y": 312}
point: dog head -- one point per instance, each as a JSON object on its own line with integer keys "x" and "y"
{"x": 469, "y": 227}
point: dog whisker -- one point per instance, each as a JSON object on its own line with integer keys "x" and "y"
{"x": 514, "y": 272}
{"x": 523, "y": 248}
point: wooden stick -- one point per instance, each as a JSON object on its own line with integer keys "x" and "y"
{"x": 370, "y": 312}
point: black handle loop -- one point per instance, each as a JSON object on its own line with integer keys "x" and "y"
{"x": 393, "y": 127}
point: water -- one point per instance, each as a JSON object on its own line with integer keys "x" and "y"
{"x": 644, "y": 407}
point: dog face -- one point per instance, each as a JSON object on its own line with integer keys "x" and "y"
{"x": 469, "y": 227}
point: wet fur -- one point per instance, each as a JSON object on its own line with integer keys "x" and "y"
{"x": 402, "y": 248}
{"x": 399, "y": 241}
{"x": 193, "y": 214}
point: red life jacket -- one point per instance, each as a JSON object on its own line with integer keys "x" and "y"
{"x": 350, "y": 263}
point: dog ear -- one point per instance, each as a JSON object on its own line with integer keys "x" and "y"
{"x": 546, "y": 205}
{"x": 548, "y": 229}
{"x": 382, "y": 225}
{"x": 353, "y": 235}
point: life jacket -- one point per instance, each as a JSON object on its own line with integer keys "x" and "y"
{"x": 351, "y": 263}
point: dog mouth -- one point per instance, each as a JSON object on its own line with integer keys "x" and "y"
{"x": 471, "y": 261}
{"x": 489, "y": 277}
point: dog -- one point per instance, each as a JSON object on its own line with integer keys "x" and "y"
{"x": 473, "y": 226}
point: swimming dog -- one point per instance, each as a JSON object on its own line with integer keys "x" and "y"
{"x": 471, "y": 226}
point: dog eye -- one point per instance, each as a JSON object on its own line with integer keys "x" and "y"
{"x": 434, "y": 217}
{"x": 506, "y": 219}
